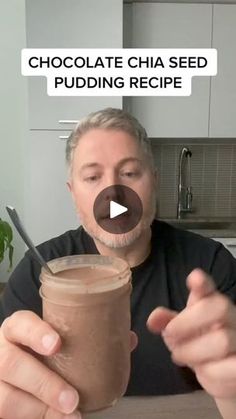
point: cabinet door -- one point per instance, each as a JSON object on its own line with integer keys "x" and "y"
{"x": 69, "y": 24}
{"x": 49, "y": 207}
{"x": 229, "y": 243}
{"x": 223, "y": 88}
{"x": 173, "y": 26}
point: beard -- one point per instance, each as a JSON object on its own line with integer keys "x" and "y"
{"x": 119, "y": 240}
{"x": 114, "y": 241}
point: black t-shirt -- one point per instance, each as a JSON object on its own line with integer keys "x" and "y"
{"x": 159, "y": 281}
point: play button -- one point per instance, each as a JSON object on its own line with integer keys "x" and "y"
{"x": 117, "y": 209}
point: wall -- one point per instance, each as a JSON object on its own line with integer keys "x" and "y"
{"x": 13, "y": 116}
{"x": 213, "y": 176}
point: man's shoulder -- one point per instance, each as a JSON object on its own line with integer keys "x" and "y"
{"x": 176, "y": 237}
{"x": 69, "y": 243}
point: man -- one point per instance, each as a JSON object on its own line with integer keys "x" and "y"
{"x": 170, "y": 275}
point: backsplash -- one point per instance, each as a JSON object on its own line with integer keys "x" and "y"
{"x": 213, "y": 177}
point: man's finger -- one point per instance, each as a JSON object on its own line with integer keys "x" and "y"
{"x": 200, "y": 285}
{"x": 26, "y": 328}
{"x": 159, "y": 318}
{"x": 213, "y": 346}
{"x": 215, "y": 309}
{"x": 22, "y": 370}
{"x": 28, "y": 407}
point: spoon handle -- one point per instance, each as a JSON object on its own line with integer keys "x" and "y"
{"x": 21, "y": 230}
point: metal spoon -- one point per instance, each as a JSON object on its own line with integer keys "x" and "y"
{"x": 21, "y": 230}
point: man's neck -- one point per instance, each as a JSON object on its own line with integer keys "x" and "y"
{"x": 134, "y": 254}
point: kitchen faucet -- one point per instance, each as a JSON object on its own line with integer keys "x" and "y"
{"x": 185, "y": 195}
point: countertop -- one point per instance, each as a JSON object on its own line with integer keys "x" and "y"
{"x": 197, "y": 405}
{"x": 224, "y": 233}
{"x": 222, "y": 227}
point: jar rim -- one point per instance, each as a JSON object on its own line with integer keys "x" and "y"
{"x": 119, "y": 277}
{"x": 127, "y": 287}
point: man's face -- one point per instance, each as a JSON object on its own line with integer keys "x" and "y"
{"x": 102, "y": 158}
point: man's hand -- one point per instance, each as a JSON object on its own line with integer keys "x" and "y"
{"x": 28, "y": 389}
{"x": 202, "y": 336}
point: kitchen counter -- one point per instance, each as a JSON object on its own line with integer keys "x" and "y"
{"x": 214, "y": 227}
{"x": 196, "y": 405}
{"x": 224, "y": 233}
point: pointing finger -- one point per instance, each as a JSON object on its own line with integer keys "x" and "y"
{"x": 200, "y": 285}
{"x": 159, "y": 318}
{"x": 210, "y": 311}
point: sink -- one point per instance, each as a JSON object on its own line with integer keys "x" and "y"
{"x": 202, "y": 224}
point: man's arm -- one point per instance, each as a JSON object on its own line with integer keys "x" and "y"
{"x": 203, "y": 337}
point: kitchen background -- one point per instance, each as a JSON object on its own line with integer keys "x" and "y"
{"x": 213, "y": 178}
{"x": 32, "y": 171}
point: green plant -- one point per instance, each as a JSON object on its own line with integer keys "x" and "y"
{"x": 6, "y": 237}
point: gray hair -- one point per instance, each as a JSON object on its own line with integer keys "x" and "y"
{"x": 109, "y": 118}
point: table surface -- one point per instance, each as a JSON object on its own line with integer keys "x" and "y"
{"x": 197, "y": 405}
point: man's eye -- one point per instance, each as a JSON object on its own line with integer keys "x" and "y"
{"x": 129, "y": 174}
{"x": 91, "y": 178}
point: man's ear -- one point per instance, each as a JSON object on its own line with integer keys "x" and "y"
{"x": 70, "y": 187}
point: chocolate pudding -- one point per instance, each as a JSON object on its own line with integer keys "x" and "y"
{"x": 87, "y": 302}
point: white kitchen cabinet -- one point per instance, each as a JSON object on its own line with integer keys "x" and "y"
{"x": 223, "y": 86}
{"x": 229, "y": 243}
{"x": 69, "y": 24}
{"x": 49, "y": 207}
{"x": 156, "y": 25}
{"x": 61, "y": 24}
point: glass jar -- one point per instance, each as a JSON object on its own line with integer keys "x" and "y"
{"x": 87, "y": 301}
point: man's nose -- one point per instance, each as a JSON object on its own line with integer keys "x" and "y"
{"x": 110, "y": 179}
{"x": 114, "y": 193}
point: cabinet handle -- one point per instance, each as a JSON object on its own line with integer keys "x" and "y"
{"x": 231, "y": 244}
{"x": 68, "y": 121}
{"x": 63, "y": 137}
